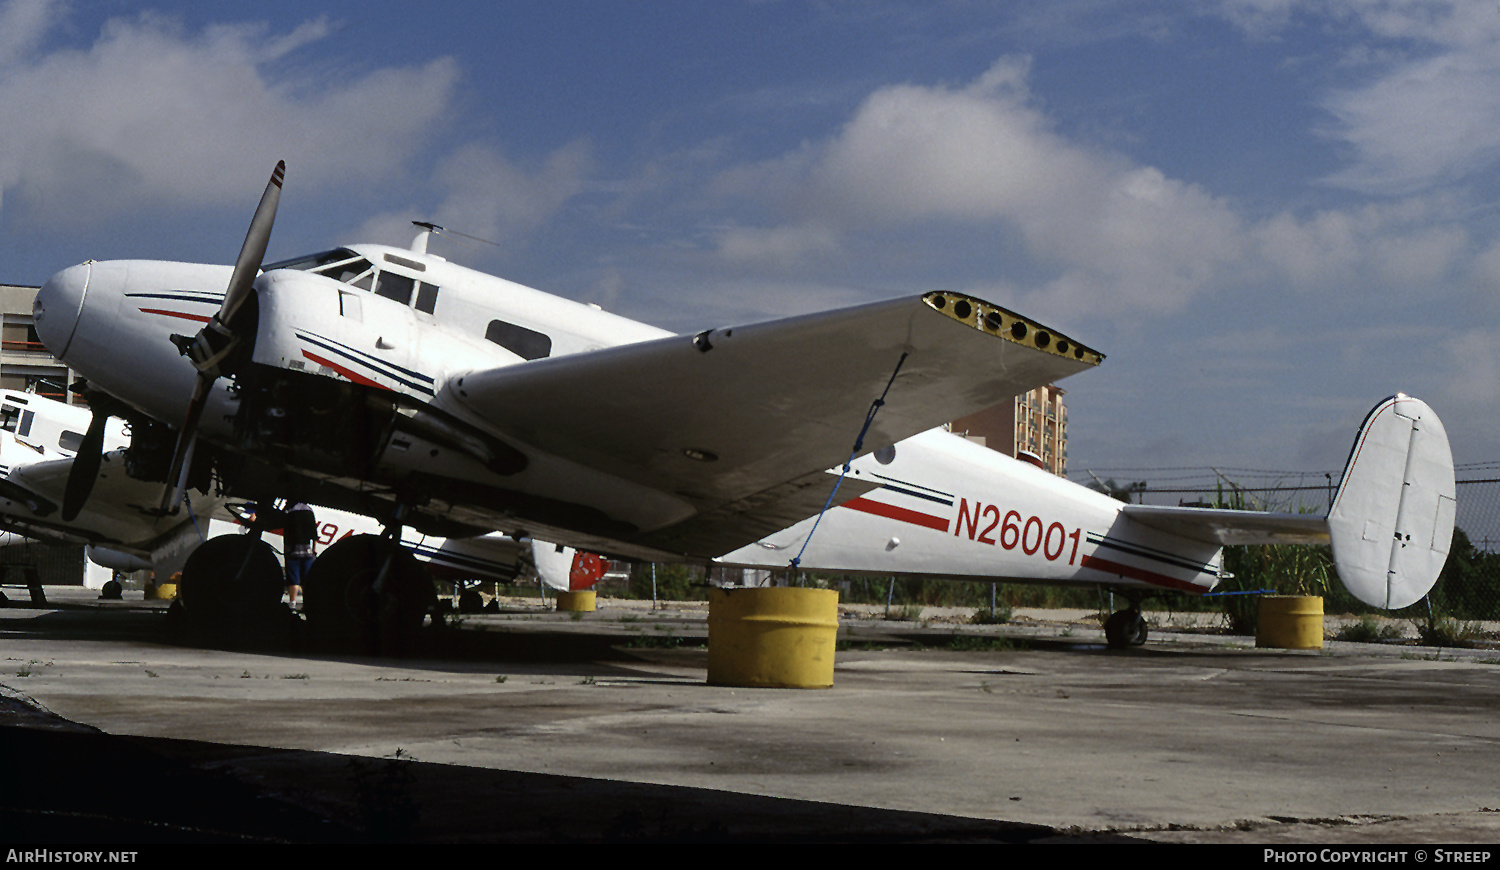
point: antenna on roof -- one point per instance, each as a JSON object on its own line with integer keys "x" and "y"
{"x": 419, "y": 244}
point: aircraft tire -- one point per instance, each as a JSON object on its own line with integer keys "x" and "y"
{"x": 1125, "y": 628}
{"x": 344, "y": 611}
{"x": 231, "y": 592}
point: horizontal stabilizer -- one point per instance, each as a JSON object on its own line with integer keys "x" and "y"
{"x": 1229, "y": 528}
{"x": 1392, "y": 519}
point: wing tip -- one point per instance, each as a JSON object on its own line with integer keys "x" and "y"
{"x": 997, "y": 321}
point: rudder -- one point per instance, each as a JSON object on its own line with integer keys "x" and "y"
{"x": 1392, "y": 520}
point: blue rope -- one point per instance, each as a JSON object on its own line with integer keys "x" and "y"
{"x": 188, "y": 503}
{"x": 859, "y": 442}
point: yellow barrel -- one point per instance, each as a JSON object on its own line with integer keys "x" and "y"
{"x": 1290, "y": 622}
{"x": 164, "y": 592}
{"x": 582, "y": 602}
{"x": 772, "y": 637}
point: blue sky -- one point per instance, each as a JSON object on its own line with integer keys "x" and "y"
{"x": 1268, "y": 214}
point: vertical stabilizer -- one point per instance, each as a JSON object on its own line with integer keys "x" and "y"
{"x": 1392, "y": 519}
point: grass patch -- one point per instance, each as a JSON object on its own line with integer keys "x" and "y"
{"x": 1450, "y": 632}
{"x": 906, "y": 613}
{"x": 1369, "y": 629}
{"x": 982, "y": 616}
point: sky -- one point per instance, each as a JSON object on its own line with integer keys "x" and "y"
{"x": 1267, "y": 214}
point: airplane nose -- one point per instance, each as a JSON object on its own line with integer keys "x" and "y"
{"x": 57, "y": 306}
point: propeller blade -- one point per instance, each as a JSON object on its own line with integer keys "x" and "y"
{"x": 254, "y": 249}
{"x": 216, "y": 340}
{"x": 85, "y": 468}
{"x": 172, "y": 495}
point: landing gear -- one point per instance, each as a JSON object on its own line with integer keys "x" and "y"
{"x": 1125, "y": 628}
{"x": 230, "y": 592}
{"x": 367, "y": 595}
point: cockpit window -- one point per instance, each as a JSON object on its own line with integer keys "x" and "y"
{"x": 340, "y": 264}
{"x": 10, "y": 415}
{"x": 313, "y": 262}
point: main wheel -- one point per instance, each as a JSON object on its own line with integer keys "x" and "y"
{"x": 231, "y": 591}
{"x": 367, "y": 595}
{"x": 1125, "y": 628}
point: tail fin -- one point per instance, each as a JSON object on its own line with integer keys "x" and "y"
{"x": 1392, "y": 520}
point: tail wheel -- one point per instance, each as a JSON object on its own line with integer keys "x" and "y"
{"x": 231, "y": 590}
{"x": 1125, "y": 628}
{"x": 367, "y": 595}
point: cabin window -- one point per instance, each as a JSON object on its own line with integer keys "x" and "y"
{"x": 426, "y": 297}
{"x": 524, "y": 343}
{"x": 10, "y": 415}
{"x": 395, "y": 287}
{"x": 24, "y": 429}
{"x": 69, "y": 440}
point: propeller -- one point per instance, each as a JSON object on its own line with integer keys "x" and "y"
{"x": 85, "y": 468}
{"x": 217, "y": 339}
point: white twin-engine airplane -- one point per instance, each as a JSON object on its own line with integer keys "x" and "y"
{"x": 395, "y": 384}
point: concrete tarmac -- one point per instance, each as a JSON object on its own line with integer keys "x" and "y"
{"x": 540, "y": 727}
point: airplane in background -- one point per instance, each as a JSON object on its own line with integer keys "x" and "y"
{"x": 391, "y": 383}
{"x": 123, "y": 531}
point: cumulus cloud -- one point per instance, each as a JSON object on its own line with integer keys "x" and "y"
{"x": 1113, "y": 233}
{"x": 1408, "y": 244}
{"x": 152, "y": 113}
{"x": 1420, "y": 110}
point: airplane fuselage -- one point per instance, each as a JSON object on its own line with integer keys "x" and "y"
{"x": 949, "y": 508}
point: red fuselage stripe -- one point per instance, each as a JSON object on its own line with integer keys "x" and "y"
{"x": 901, "y": 514}
{"x": 165, "y": 313}
{"x": 346, "y": 372}
{"x": 1140, "y": 574}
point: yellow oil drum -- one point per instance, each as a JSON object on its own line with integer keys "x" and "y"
{"x": 581, "y": 602}
{"x": 162, "y": 592}
{"x": 772, "y": 637}
{"x": 1290, "y": 622}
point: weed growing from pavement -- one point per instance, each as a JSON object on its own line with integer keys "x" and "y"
{"x": 983, "y": 643}
{"x": 666, "y": 641}
{"x": 1369, "y": 630}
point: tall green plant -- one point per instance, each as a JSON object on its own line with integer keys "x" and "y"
{"x": 1290, "y": 569}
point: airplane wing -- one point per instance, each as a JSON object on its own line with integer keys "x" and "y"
{"x": 1232, "y": 527}
{"x": 120, "y": 511}
{"x": 742, "y": 423}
